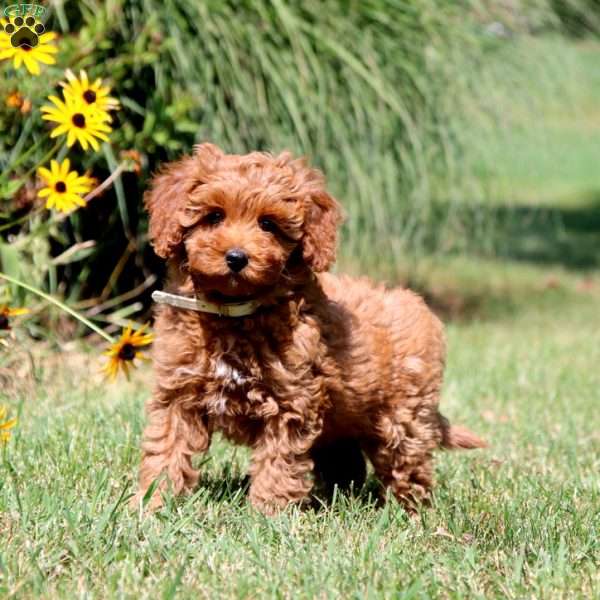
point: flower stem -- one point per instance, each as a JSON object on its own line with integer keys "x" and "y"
{"x": 106, "y": 183}
{"x": 23, "y": 156}
{"x": 60, "y": 305}
{"x": 45, "y": 159}
{"x": 21, "y": 219}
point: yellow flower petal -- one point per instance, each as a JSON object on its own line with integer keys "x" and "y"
{"x": 65, "y": 168}
{"x": 60, "y": 130}
{"x": 8, "y": 424}
{"x": 44, "y": 58}
{"x": 31, "y": 64}
{"x": 43, "y": 172}
{"x": 71, "y": 137}
{"x": 47, "y": 37}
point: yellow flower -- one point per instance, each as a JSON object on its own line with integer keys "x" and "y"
{"x": 79, "y": 121}
{"x": 64, "y": 187}
{"x": 94, "y": 94}
{"x": 6, "y": 313}
{"x": 5, "y": 425}
{"x": 25, "y": 54}
{"x": 122, "y": 353}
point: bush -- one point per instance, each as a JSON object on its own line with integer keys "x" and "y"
{"x": 578, "y": 17}
{"x": 375, "y": 93}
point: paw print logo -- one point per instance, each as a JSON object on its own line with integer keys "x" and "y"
{"x": 23, "y": 32}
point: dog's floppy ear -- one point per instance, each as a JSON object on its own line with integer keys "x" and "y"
{"x": 169, "y": 192}
{"x": 323, "y": 216}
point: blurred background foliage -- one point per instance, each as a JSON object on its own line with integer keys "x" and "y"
{"x": 395, "y": 100}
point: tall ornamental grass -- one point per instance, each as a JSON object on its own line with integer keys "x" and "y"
{"x": 377, "y": 93}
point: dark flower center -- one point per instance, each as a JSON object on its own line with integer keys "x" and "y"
{"x": 4, "y": 322}
{"x": 127, "y": 352}
{"x": 26, "y": 48}
{"x": 60, "y": 187}
{"x": 78, "y": 120}
{"x": 89, "y": 96}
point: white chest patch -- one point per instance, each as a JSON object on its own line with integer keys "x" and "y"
{"x": 230, "y": 379}
{"x": 229, "y": 375}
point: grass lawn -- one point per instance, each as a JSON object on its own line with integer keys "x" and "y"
{"x": 518, "y": 520}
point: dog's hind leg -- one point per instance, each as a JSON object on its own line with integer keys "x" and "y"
{"x": 408, "y": 478}
{"x": 172, "y": 437}
{"x": 402, "y": 450}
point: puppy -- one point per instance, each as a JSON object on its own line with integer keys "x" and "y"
{"x": 254, "y": 339}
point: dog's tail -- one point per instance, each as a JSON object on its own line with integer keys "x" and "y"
{"x": 455, "y": 437}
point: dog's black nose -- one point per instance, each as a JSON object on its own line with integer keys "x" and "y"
{"x": 236, "y": 259}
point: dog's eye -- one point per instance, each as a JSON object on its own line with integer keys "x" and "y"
{"x": 214, "y": 217}
{"x": 267, "y": 224}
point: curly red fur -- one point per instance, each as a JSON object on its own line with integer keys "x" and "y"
{"x": 324, "y": 362}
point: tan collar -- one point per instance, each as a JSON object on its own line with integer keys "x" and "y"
{"x": 201, "y": 304}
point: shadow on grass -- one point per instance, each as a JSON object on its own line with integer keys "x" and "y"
{"x": 569, "y": 237}
{"x": 233, "y": 489}
{"x": 227, "y": 487}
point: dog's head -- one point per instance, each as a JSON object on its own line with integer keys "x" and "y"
{"x": 239, "y": 223}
